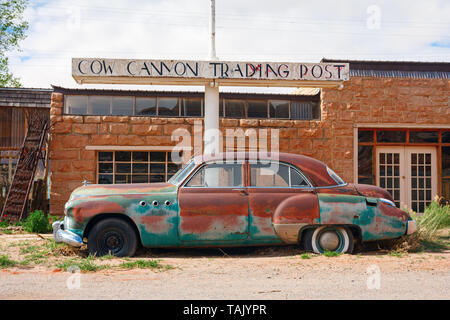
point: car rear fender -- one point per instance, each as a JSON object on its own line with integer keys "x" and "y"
{"x": 376, "y": 219}
{"x": 293, "y": 214}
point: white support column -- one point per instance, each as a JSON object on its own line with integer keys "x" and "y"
{"x": 212, "y": 133}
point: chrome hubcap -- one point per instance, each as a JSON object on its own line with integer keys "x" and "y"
{"x": 329, "y": 240}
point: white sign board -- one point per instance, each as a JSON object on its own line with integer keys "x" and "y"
{"x": 95, "y": 70}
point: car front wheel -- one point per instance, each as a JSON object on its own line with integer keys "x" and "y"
{"x": 329, "y": 238}
{"x": 112, "y": 236}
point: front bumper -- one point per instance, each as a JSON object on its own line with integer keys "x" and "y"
{"x": 66, "y": 236}
{"x": 411, "y": 227}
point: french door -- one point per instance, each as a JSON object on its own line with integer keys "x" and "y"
{"x": 409, "y": 174}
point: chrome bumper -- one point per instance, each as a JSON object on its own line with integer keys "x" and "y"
{"x": 411, "y": 227}
{"x": 66, "y": 236}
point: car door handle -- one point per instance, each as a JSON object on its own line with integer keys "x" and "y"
{"x": 243, "y": 192}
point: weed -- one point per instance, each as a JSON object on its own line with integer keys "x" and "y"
{"x": 396, "y": 253}
{"x": 144, "y": 264}
{"x": 426, "y": 237}
{"x": 85, "y": 265}
{"x": 108, "y": 256}
{"x": 6, "y": 262}
{"x": 6, "y": 231}
{"x": 4, "y": 224}
{"x": 306, "y": 255}
{"x": 330, "y": 254}
{"x": 28, "y": 249}
{"x": 38, "y": 222}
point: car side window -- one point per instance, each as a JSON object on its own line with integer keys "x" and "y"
{"x": 275, "y": 175}
{"x": 297, "y": 179}
{"x": 216, "y": 175}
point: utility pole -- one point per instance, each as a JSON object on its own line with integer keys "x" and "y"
{"x": 212, "y": 30}
{"x": 211, "y": 115}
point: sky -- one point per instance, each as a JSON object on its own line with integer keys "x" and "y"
{"x": 246, "y": 30}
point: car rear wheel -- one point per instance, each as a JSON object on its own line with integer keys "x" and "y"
{"x": 112, "y": 236}
{"x": 329, "y": 238}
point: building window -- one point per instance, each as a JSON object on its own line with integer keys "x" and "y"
{"x": 279, "y": 109}
{"x": 190, "y": 107}
{"x": 234, "y": 108}
{"x": 424, "y": 136}
{"x": 122, "y": 106}
{"x": 99, "y": 105}
{"x": 76, "y": 105}
{"x": 302, "y": 110}
{"x": 146, "y": 106}
{"x": 168, "y": 107}
{"x": 446, "y": 172}
{"x": 365, "y": 165}
{"x": 391, "y": 136}
{"x": 135, "y": 166}
{"x": 256, "y": 109}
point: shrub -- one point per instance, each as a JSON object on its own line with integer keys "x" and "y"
{"x": 426, "y": 237}
{"x": 4, "y": 224}
{"x": 434, "y": 218}
{"x": 38, "y": 222}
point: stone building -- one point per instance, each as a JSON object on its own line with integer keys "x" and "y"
{"x": 389, "y": 126}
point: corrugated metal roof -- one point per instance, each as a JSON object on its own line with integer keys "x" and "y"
{"x": 397, "y": 69}
{"x": 399, "y": 74}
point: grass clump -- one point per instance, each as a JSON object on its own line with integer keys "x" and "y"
{"x": 330, "y": 254}
{"x": 435, "y": 218}
{"x": 306, "y": 255}
{"x": 144, "y": 264}
{"x": 84, "y": 265}
{"x": 396, "y": 253}
{"x": 6, "y": 262}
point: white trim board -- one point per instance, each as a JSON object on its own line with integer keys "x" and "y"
{"x": 137, "y": 148}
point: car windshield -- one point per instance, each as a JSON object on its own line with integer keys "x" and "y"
{"x": 182, "y": 173}
{"x": 335, "y": 177}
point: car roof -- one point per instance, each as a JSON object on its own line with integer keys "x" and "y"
{"x": 315, "y": 170}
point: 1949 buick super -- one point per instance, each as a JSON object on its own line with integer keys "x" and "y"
{"x": 233, "y": 200}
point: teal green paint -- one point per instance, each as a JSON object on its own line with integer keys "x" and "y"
{"x": 353, "y": 210}
{"x": 77, "y": 232}
{"x": 168, "y": 235}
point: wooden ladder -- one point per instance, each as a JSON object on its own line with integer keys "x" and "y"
{"x": 30, "y": 153}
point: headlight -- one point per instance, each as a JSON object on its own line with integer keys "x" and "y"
{"x": 389, "y": 202}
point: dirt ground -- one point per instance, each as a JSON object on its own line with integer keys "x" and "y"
{"x": 227, "y": 273}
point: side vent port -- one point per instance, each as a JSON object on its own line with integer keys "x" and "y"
{"x": 372, "y": 201}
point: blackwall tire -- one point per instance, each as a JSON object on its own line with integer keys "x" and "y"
{"x": 306, "y": 239}
{"x": 337, "y": 239}
{"x": 113, "y": 236}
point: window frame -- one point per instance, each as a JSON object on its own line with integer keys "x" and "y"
{"x": 195, "y": 171}
{"x": 166, "y": 173}
{"x": 181, "y": 98}
{"x": 291, "y": 167}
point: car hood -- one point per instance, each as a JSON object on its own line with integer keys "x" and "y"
{"x": 94, "y": 190}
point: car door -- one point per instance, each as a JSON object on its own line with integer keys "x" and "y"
{"x": 214, "y": 204}
{"x": 270, "y": 184}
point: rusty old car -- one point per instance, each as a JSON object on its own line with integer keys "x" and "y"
{"x": 233, "y": 199}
